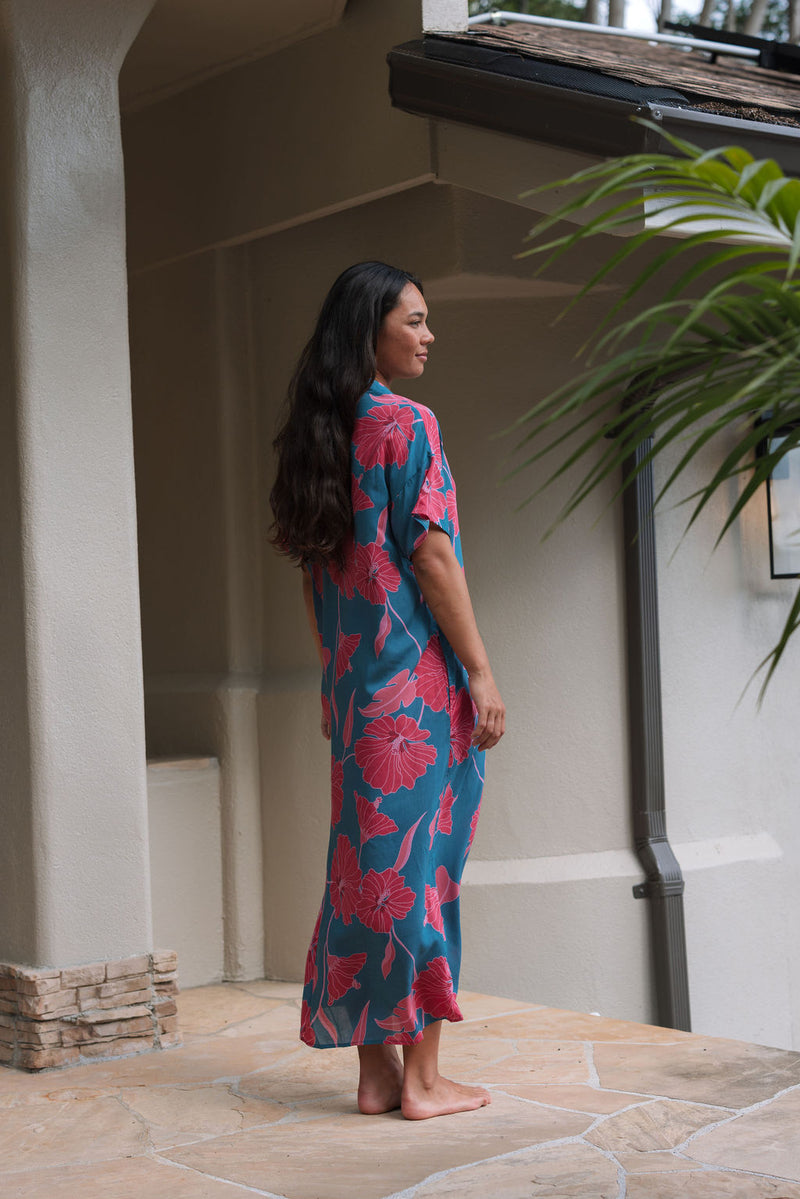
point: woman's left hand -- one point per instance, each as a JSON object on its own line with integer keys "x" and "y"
{"x": 491, "y": 720}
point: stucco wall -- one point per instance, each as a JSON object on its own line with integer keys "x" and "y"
{"x": 730, "y": 767}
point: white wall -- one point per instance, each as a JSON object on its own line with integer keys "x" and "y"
{"x": 731, "y": 769}
{"x": 186, "y": 864}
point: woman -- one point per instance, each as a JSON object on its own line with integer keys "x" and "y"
{"x": 365, "y": 501}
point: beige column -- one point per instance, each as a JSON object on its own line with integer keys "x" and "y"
{"x": 74, "y": 877}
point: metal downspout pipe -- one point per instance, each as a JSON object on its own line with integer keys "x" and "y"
{"x": 664, "y": 884}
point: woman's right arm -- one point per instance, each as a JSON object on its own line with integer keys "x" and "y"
{"x": 444, "y": 589}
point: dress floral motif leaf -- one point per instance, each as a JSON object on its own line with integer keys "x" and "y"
{"x": 337, "y": 792}
{"x": 405, "y": 779}
{"x": 348, "y": 645}
{"x": 443, "y": 820}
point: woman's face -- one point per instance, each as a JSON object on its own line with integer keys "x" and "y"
{"x": 404, "y": 337}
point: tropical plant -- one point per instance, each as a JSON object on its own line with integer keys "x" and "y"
{"x": 686, "y": 370}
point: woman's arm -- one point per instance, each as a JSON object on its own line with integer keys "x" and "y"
{"x": 444, "y": 589}
{"x": 308, "y": 600}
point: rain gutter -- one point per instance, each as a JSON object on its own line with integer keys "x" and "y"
{"x": 506, "y": 98}
{"x": 663, "y": 885}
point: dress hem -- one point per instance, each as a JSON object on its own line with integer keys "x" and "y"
{"x": 398, "y": 1038}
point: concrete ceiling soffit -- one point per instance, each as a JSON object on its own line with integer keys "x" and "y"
{"x": 185, "y": 41}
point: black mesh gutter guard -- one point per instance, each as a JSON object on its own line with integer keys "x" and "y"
{"x": 570, "y": 107}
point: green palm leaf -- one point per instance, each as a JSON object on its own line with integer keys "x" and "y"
{"x": 683, "y": 370}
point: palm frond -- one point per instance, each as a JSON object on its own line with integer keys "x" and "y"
{"x": 684, "y": 370}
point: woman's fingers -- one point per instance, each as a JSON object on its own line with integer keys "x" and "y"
{"x": 326, "y": 728}
{"x": 492, "y": 730}
{"x": 491, "y": 721}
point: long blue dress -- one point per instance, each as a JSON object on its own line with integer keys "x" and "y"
{"x": 405, "y": 781}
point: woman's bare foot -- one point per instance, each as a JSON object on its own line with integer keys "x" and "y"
{"x": 425, "y": 1092}
{"x": 441, "y": 1098}
{"x": 380, "y": 1081}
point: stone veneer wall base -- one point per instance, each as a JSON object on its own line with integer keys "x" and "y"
{"x": 55, "y": 1018}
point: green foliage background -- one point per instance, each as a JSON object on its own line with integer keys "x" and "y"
{"x": 714, "y": 361}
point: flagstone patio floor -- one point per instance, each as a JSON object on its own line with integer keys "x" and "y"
{"x": 581, "y": 1106}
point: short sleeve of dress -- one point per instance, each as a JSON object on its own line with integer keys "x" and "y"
{"x": 421, "y": 489}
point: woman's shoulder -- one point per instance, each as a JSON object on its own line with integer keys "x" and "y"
{"x": 379, "y": 397}
{"x": 390, "y": 428}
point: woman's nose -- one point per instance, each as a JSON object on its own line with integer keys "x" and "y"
{"x": 427, "y": 336}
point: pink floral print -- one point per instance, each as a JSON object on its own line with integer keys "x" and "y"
{"x": 345, "y": 884}
{"x": 393, "y": 754}
{"x": 384, "y": 898}
{"x": 383, "y": 434}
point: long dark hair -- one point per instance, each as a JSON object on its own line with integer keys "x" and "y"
{"x": 311, "y": 500}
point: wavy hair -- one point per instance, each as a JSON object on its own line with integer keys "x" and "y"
{"x": 311, "y": 503}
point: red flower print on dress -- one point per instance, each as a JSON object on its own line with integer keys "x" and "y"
{"x": 462, "y": 724}
{"x": 361, "y": 501}
{"x": 403, "y": 1018}
{"x": 311, "y": 956}
{"x": 431, "y": 676}
{"x": 372, "y": 822}
{"x": 306, "y": 1031}
{"x": 348, "y": 644}
{"x": 445, "y": 891}
{"x": 384, "y": 898}
{"x": 345, "y": 880}
{"x": 433, "y": 909}
{"x": 452, "y": 509}
{"x": 447, "y": 887}
{"x": 393, "y": 754}
{"x": 433, "y": 991}
{"x": 342, "y": 974}
{"x": 432, "y": 429}
{"x": 443, "y": 820}
{"x": 473, "y": 824}
{"x": 382, "y": 436}
{"x": 374, "y": 573}
{"x": 431, "y": 501}
{"x": 337, "y": 792}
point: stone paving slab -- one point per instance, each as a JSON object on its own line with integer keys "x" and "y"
{"x": 392, "y": 1153}
{"x": 583, "y": 1108}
